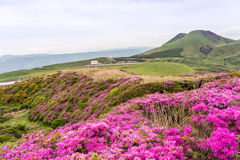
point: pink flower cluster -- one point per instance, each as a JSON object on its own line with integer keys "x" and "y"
{"x": 211, "y": 129}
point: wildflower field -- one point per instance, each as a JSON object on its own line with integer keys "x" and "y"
{"x": 122, "y": 119}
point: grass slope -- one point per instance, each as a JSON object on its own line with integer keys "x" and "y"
{"x": 156, "y": 69}
{"x": 194, "y": 38}
{"x": 22, "y": 74}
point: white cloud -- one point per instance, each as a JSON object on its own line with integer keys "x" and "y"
{"x": 60, "y": 26}
{"x": 231, "y": 31}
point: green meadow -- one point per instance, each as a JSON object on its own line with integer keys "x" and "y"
{"x": 22, "y": 74}
{"x": 155, "y": 69}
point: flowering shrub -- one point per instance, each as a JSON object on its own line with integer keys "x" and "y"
{"x": 140, "y": 121}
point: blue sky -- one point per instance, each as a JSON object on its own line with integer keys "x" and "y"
{"x": 70, "y": 26}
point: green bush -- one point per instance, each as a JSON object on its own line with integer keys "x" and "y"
{"x": 16, "y": 90}
{"x": 4, "y": 138}
{"x": 82, "y": 106}
{"x": 9, "y": 130}
{"x": 113, "y": 92}
{"x": 76, "y": 99}
{"x": 72, "y": 116}
{"x": 24, "y": 106}
{"x": 19, "y": 134}
{"x": 69, "y": 108}
{"x": 94, "y": 107}
{"x": 21, "y": 127}
{"x": 51, "y": 104}
{"x": 42, "y": 99}
{"x": 56, "y": 123}
{"x": 70, "y": 99}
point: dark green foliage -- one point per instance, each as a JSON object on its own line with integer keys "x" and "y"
{"x": 51, "y": 104}
{"x": 95, "y": 107}
{"x": 82, "y": 106}
{"x": 19, "y": 134}
{"x": 16, "y": 90}
{"x": 4, "y": 138}
{"x": 140, "y": 90}
{"x": 24, "y": 106}
{"x": 14, "y": 109}
{"x": 9, "y": 130}
{"x": 76, "y": 99}
{"x": 69, "y": 108}
{"x": 4, "y": 118}
{"x": 205, "y": 49}
{"x": 164, "y": 54}
{"x": 70, "y": 99}
{"x": 56, "y": 123}
{"x": 72, "y": 116}
{"x": 21, "y": 127}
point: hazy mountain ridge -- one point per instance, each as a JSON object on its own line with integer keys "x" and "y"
{"x": 17, "y": 62}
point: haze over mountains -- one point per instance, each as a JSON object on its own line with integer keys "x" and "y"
{"x": 17, "y": 62}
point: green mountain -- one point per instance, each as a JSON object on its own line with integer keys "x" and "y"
{"x": 199, "y": 49}
{"x": 194, "y": 38}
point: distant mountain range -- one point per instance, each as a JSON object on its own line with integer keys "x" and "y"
{"x": 17, "y": 62}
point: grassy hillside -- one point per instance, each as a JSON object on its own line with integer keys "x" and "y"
{"x": 179, "y": 36}
{"x": 197, "y": 37}
{"x": 22, "y": 74}
{"x": 155, "y": 69}
{"x": 208, "y": 52}
{"x": 194, "y": 38}
{"x": 163, "y": 54}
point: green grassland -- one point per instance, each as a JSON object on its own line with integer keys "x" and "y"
{"x": 22, "y": 74}
{"x": 155, "y": 69}
{"x": 22, "y": 118}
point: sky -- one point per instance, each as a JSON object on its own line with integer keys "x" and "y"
{"x": 74, "y": 26}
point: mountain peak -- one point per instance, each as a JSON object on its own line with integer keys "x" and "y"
{"x": 178, "y": 36}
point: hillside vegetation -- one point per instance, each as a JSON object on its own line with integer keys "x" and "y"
{"x": 120, "y": 118}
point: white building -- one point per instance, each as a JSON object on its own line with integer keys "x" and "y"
{"x": 94, "y": 62}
